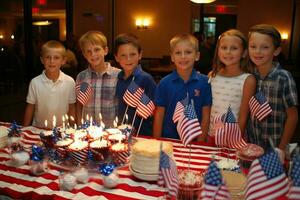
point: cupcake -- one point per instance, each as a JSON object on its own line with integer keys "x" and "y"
{"x": 47, "y": 138}
{"x": 100, "y": 149}
{"x": 120, "y": 153}
{"x": 70, "y": 131}
{"x": 190, "y": 183}
{"x": 80, "y": 134}
{"x": 94, "y": 132}
{"x": 117, "y": 138}
{"x": 113, "y": 131}
{"x": 78, "y": 152}
{"x": 61, "y": 147}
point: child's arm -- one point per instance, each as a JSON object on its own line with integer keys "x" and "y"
{"x": 289, "y": 127}
{"x": 204, "y": 123}
{"x": 72, "y": 111}
{"x": 28, "y": 115}
{"x": 78, "y": 111}
{"x": 158, "y": 121}
{"x": 249, "y": 89}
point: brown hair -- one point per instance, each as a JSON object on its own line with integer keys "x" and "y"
{"x": 53, "y": 44}
{"x": 93, "y": 37}
{"x": 267, "y": 30}
{"x": 184, "y": 37}
{"x": 217, "y": 64}
{"x": 127, "y": 38}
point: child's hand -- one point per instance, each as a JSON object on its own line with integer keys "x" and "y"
{"x": 281, "y": 154}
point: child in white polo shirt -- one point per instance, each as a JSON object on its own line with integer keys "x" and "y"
{"x": 52, "y": 93}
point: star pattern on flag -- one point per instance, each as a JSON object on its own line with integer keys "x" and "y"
{"x": 83, "y": 92}
{"x": 188, "y": 126}
{"x": 145, "y": 107}
{"x": 259, "y": 106}
{"x": 133, "y": 94}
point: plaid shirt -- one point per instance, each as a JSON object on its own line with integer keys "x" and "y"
{"x": 280, "y": 91}
{"x": 104, "y": 99}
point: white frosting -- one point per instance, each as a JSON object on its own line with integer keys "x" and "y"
{"x": 64, "y": 142}
{"x": 118, "y": 137}
{"x": 95, "y": 132}
{"x": 70, "y": 131}
{"x": 189, "y": 178}
{"x": 113, "y": 131}
{"x": 81, "y": 133}
{"x": 47, "y": 133}
{"x": 119, "y": 147}
{"x": 78, "y": 145}
{"x": 99, "y": 143}
{"x": 227, "y": 164}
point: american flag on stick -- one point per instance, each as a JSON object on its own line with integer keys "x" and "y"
{"x": 188, "y": 126}
{"x": 84, "y": 92}
{"x": 294, "y": 191}
{"x": 133, "y": 94}
{"x": 214, "y": 187}
{"x": 168, "y": 175}
{"x": 266, "y": 178}
{"x": 179, "y": 109}
{"x": 228, "y": 135}
{"x": 145, "y": 107}
{"x": 259, "y": 106}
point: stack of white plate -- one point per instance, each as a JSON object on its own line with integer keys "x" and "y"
{"x": 3, "y": 136}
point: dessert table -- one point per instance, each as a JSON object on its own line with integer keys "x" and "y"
{"x": 17, "y": 183}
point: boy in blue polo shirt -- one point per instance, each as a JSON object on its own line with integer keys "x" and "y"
{"x": 175, "y": 87}
{"x": 128, "y": 53}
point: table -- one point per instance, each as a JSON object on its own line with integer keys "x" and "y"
{"x": 17, "y": 183}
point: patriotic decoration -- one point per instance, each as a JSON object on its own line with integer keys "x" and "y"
{"x": 179, "y": 109}
{"x": 214, "y": 187}
{"x": 84, "y": 92}
{"x": 133, "y": 94}
{"x": 266, "y": 178}
{"x": 228, "y": 135}
{"x": 122, "y": 157}
{"x": 145, "y": 107}
{"x": 259, "y": 106}
{"x": 168, "y": 175}
{"x": 188, "y": 126}
{"x": 294, "y": 191}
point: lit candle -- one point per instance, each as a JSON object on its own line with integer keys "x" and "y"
{"x": 46, "y": 123}
{"x": 82, "y": 121}
{"x": 91, "y": 121}
{"x": 102, "y": 125}
{"x": 117, "y": 120}
{"x": 87, "y": 117}
{"x": 75, "y": 126}
{"x": 115, "y": 124}
{"x": 126, "y": 119}
{"x": 54, "y": 121}
{"x": 63, "y": 121}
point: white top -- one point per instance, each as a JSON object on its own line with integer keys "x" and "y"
{"x": 50, "y": 98}
{"x": 226, "y": 91}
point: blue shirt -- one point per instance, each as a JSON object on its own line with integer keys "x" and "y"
{"x": 146, "y": 82}
{"x": 172, "y": 89}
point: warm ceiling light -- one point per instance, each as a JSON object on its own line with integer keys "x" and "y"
{"x": 41, "y": 23}
{"x": 202, "y": 1}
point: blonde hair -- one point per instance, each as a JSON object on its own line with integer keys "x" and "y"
{"x": 217, "y": 64}
{"x": 53, "y": 44}
{"x": 93, "y": 37}
{"x": 184, "y": 37}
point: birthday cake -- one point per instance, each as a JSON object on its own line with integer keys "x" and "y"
{"x": 146, "y": 153}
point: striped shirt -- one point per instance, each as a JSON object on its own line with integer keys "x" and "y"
{"x": 103, "y": 99}
{"x": 280, "y": 91}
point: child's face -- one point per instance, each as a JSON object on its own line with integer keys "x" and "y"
{"x": 184, "y": 55}
{"x": 128, "y": 57}
{"x": 94, "y": 54}
{"x": 261, "y": 49}
{"x": 53, "y": 60}
{"x": 230, "y": 50}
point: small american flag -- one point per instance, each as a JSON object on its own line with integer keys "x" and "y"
{"x": 84, "y": 92}
{"x": 214, "y": 187}
{"x": 259, "y": 106}
{"x": 188, "y": 126}
{"x": 145, "y": 107}
{"x": 266, "y": 178}
{"x": 179, "y": 109}
{"x": 168, "y": 175}
{"x": 230, "y": 134}
{"x": 294, "y": 191}
{"x": 133, "y": 94}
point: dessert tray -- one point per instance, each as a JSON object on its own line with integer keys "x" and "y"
{"x": 142, "y": 176}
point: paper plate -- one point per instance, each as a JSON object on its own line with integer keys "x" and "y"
{"x": 145, "y": 177}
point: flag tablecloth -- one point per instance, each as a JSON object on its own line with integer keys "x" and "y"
{"x": 17, "y": 183}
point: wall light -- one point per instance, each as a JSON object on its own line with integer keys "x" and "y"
{"x": 284, "y": 36}
{"x": 1, "y": 36}
{"x": 12, "y": 37}
{"x": 142, "y": 23}
{"x": 41, "y": 23}
{"x": 202, "y": 1}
